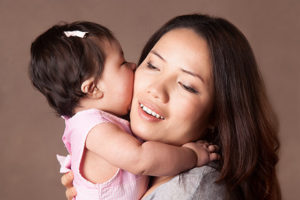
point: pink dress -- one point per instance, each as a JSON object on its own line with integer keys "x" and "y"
{"x": 123, "y": 185}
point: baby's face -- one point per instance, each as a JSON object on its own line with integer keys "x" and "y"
{"x": 117, "y": 80}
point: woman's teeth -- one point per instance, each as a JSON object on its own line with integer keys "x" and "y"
{"x": 150, "y": 112}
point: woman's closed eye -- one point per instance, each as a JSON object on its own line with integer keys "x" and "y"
{"x": 188, "y": 88}
{"x": 151, "y": 66}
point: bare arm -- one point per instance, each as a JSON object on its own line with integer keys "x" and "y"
{"x": 149, "y": 158}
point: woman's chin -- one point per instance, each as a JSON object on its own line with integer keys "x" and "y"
{"x": 140, "y": 131}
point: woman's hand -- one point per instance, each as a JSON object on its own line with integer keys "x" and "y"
{"x": 205, "y": 152}
{"x": 67, "y": 181}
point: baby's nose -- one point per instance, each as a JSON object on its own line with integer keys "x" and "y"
{"x": 133, "y": 66}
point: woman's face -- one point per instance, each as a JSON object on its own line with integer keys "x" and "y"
{"x": 173, "y": 90}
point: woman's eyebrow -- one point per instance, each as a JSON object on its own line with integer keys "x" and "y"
{"x": 183, "y": 70}
{"x": 192, "y": 74}
{"x": 158, "y": 55}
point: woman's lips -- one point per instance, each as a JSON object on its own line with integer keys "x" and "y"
{"x": 149, "y": 113}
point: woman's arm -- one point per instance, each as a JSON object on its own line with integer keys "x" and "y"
{"x": 124, "y": 151}
{"x": 67, "y": 181}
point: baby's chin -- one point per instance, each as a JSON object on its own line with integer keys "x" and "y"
{"x": 125, "y": 112}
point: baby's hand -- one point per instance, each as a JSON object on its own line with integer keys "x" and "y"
{"x": 205, "y": 152}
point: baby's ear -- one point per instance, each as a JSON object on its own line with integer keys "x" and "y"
{"x": 90, "y": 88}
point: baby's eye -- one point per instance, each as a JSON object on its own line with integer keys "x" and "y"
{"x": 150, "y": 66}
{"x": 124, "y": 63}
{"x": 188, "y": 88}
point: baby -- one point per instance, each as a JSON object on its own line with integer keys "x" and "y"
{"x": 81, "y": 70}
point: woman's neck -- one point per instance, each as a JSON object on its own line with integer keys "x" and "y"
{"x": 157, "y": 181}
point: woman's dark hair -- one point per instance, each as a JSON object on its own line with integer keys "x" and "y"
{"x": 59, "y": 64}
{"x": 245, "y": 125}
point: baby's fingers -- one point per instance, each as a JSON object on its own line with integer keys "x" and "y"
{"x": 214, "y": 156}
{"x": 213, "y": 148}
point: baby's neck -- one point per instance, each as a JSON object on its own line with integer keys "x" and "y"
{"x": 86, "y": 104}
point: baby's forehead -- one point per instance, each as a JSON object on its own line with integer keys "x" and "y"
{"x": 114, "y": 46}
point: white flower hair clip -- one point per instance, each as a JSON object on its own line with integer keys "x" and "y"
{"x": 80, "y": 34}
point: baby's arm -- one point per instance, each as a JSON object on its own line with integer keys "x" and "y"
{"x": 124, "y": 151}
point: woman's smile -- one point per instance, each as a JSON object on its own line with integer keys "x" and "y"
{"x": 150, "y": 112}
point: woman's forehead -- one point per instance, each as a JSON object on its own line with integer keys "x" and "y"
{"x": 185, "y": 49}
{"x": 182, "y": 41}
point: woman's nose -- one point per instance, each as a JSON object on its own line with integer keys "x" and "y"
{"x": 159, "y": 91}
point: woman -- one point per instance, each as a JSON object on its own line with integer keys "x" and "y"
{"x": 200, "y": 73}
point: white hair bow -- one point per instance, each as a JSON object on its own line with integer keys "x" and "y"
{"x": 80, "y": 34}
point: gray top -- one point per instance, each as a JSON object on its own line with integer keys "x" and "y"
{"x": 195, "y": 184}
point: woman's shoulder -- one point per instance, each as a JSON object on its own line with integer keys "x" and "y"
{"x": 197, "y": 183}
{"x": 200, "y": 172}
{"x": 201, "y": 180}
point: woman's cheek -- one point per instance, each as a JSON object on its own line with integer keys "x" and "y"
{"x": 193, "y": 114}
{"x": 141, "y": 83}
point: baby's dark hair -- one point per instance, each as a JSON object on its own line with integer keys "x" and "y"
{"x": 60, "y": 64}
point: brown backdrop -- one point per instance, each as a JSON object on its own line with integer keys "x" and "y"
{"x": 31, "y": 134}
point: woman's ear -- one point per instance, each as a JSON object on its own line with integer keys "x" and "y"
{"x": 90, "y": 88}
